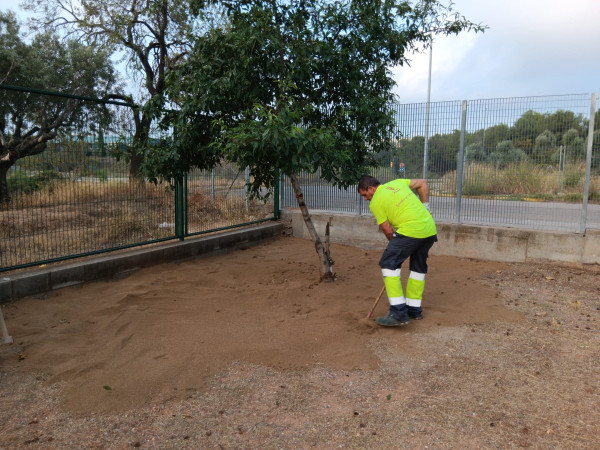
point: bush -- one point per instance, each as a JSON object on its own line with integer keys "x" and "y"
{"x": 94, "y": 172}
{"x": 573, "y": 175}
{"x": 27, "y": 184}
{"x": 477, "y": 179}
{"x": 506, "y": 154}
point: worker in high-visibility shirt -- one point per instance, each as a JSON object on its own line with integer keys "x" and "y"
{"x": 404, "y": 218}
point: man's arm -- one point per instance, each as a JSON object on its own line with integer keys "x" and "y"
{"x": 421, "y": 187}
{"x": 387, "y": 229}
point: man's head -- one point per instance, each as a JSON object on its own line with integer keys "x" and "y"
{"x": 367, "y": 185}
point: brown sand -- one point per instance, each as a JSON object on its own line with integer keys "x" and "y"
{"x": 162, "y": 332}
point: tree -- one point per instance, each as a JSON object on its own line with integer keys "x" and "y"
{"x": 561, "y": 121}
{"x": 529, "y": 126}
{"x": 153, "y": 36}
{"x": 506, "y": 154}
{"x": 443, "y": 151}
{"x": 29, "y": 121}
{"x": 574, "y": 145}
{"x": 474, "y": 153}
{"x": 11, "y": 47}
{"x": 545, "y": 145}
{"x": 297, "y": 86}
{"x": 411, "y": 155}
{"x": 494, "y": 135}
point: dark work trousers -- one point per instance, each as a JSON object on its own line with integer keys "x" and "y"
{"x": 399, "y": 249}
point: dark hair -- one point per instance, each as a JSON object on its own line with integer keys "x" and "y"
{"x": 366, "y": 181}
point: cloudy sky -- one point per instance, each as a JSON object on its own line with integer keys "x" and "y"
{"x": 532, "y": 47}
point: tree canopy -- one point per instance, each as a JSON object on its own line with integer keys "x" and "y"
{"x": 28, "y": 121}
{"x": 290, "y": 86}
{"x": 152, "y": 37}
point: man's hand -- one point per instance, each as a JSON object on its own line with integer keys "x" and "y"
{"x": 387, "y": 229}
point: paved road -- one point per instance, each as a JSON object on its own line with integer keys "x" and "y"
{"x": 475, "y": 211}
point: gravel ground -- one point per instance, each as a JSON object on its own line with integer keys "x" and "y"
{"x": 533, "y": 383}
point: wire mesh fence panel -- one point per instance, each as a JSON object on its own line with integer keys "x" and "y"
{"x": 73, "y": 195}
{"x": 76, "y": 190}
{"x": 522, "y": 150}
{"x": 219, "y": 199}
{"x": 522, "y": 163}
{"x": 431, "y": 133}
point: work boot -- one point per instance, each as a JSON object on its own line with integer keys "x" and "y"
{"x": 391, "y": 321}
{"x": 415, "y": 314}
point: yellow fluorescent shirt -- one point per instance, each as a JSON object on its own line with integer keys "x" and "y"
{"x": 398, "y": 204}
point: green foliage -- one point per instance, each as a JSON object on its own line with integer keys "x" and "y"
{"x": 561, "y": 122}
{"x": 290, "y": 86}
{"x": 29, "y": 121}
{"x": 152, "y": 37}
{"x": 552, "y": 126}
{"x": 443, "y": 150}
{"x": 475, "y": 152}
{"x": 27, "y": 184}
{"x": 529, "y": 126}
{"x": 411, "y": 154}
{"x": 506, "y": 154}
{"x": 494, "y": 135}
{"x": 545, "y": 145}
{"x": 574, "y": 145}
{"x": 11, "y": 46}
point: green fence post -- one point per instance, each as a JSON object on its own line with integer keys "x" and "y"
{"x": 179, "y": 208}
{"x": 186, "y": 229}
{"x": 276, "y": 196}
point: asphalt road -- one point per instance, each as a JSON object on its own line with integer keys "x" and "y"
{"x": 473, "y": 211}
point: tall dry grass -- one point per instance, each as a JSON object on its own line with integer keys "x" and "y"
{"x": 68, "y": 217}
{"x": 523, "y": 179}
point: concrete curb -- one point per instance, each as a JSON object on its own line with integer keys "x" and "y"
{"x": 464, "y": 241}
{"x": 39, "y": 281}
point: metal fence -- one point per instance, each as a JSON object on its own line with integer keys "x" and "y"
{"x": 523, "y": 162}
{"x": 529, "y": 162}
{"x": 76, "y": 197}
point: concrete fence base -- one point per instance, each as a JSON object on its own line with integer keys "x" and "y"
{"x": 466, "y": 241}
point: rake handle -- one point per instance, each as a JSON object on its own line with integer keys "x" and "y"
{"x": 376, "y": 301}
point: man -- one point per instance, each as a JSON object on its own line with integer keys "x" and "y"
{"x": 405, "y": 220}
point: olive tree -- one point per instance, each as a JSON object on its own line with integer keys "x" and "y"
{"x": 151, "y": 37}
{"x": 29, "y": 120}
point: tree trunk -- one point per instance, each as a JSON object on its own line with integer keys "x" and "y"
{"x": 4, "y": 194}
{"x": 135, "y": 163}
{"x": 140, "y": 141}
{"x": 326, "y": 262}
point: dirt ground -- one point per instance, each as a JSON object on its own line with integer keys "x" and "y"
{"x": 249, "y": 350}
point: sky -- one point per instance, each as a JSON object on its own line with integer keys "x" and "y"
{"x": 531, "y": 48}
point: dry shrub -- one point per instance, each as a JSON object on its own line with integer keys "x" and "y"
{"x": 523, "y": 178}
{"x": 594, "y": 192}
{"x": 518, "y": 179}
{"x": 227, "y": 210}
{"x": 72, "y": 217}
